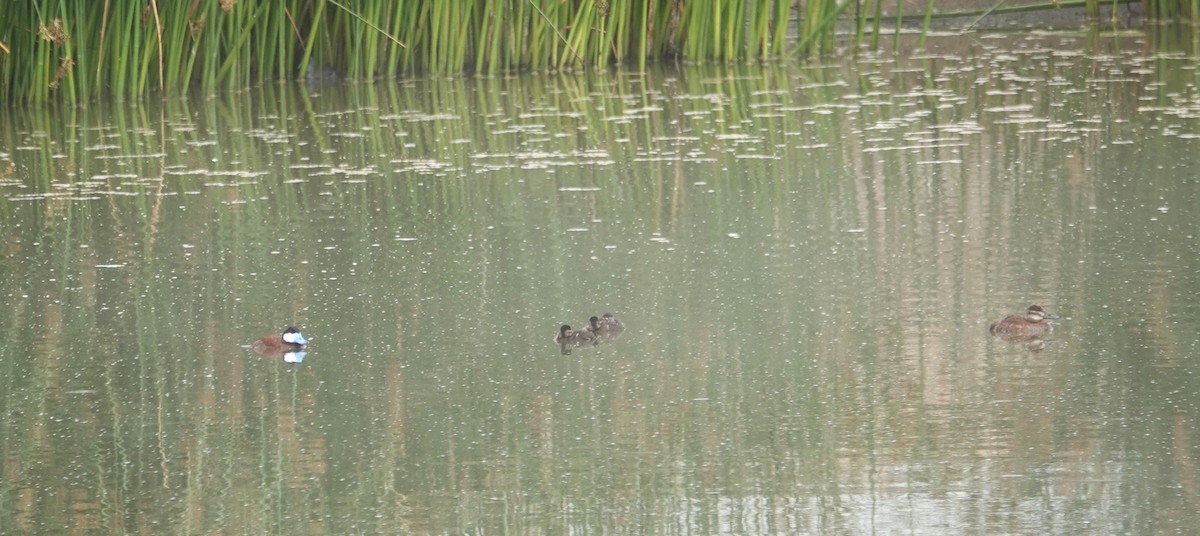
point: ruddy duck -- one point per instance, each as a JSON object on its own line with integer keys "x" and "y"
{"x": 566, "y": 335}
{"x": 594, "y": 325}
{"x": 610, "y": 323}
{"x": 607, "y": 326}
{"x": 291, "y": 339}
{"x": 1030, "y": 325}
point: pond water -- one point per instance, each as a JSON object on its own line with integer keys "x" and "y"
{"x": 806, "y": 261}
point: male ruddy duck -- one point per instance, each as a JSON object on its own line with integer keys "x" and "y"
{"x": 1028, "y": 326}
{"x": 291, "y": 339}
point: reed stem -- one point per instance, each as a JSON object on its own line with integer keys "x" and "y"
{"x": 82, "y": 50}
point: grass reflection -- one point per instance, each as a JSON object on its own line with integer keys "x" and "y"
{"x": 806, "y": 260}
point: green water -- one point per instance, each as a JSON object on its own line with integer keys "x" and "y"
{"x": 806, "y": 261}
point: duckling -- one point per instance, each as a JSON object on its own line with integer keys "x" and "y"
{"x": 594, "y": 325}
{"x": 566, "y": 335}
{"x": 610, "y": 323}
{"x": 1028, "y": 326}
{"x": 605, "y": 328}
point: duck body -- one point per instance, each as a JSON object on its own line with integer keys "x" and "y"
{"x": 291, "y": 339}
{"x": 611, "y": 324}
{"x": 1030, "y": 325}
{"x": 566, "y": 335}
{"x": 606, "y": 327}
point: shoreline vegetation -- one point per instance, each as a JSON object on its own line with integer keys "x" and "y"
{"x": 72, "y": 51}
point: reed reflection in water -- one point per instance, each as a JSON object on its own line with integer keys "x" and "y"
{"x": 806, "y": 261}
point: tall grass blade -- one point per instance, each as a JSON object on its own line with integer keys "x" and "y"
{"x": 82, "y": 50}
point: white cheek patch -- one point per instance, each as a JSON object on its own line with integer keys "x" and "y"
{"x": 294, "y": 338}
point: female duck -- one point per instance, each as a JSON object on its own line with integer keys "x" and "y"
{"x": 1030, "y": 325}
{"x": 290, "y": 339}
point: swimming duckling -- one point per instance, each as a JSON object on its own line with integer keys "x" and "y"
{"x": 610, "y": 323}
{"x": 566, "y": 335}
{"x": 605, "y": 328}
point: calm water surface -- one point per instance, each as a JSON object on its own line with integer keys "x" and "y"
{"x": 806, "y": 259}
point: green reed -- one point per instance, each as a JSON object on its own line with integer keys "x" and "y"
{"x": 818, "y": 24}
{"x": 1166, "y": 10}
{"x": 78, "y": 51}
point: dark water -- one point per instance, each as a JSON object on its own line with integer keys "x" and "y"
{"x": 806, "y": 261}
